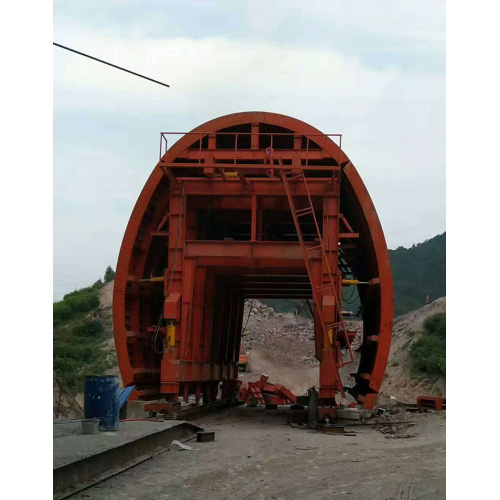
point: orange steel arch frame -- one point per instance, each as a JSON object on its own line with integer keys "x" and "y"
{"x": 377, "y": 341}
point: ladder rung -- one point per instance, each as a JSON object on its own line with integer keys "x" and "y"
{"x": 314, "y": 249}
{"x": 303, "y": 211}
{"x": 333, "y": 325}
{"x": 322, "y": 287}
{"x": 297, "y": 173}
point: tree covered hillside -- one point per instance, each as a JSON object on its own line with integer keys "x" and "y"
{"x": 81, "y": 330}
{"x": 417, "y": 272}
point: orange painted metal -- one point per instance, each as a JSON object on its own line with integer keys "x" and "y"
{"x": 214, "y": 226}
{"x": 435, "y": 403}
{"x": 263, "y": 392}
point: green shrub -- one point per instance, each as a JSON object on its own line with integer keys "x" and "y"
{"x": 76, "y": 357}
{"x": 61, "y": 311}
{"x": 436, "y": 325}
{"x": 429, "y": 351}
{"x": 78, "y": 337}
{"x": 97, "y": 285}
{"x": 77, "y": 302}
{"x": 89, "y": 328}
{"x": 73, "y": 351}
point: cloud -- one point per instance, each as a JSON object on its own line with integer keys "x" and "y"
{"x": 212, "y": 73}
{"x": 384, "y": 26}
{"x": 385, "y": 92}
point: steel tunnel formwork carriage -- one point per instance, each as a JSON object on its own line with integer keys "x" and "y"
{"x": 249, "y": 205}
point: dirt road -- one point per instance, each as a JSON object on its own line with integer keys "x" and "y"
{"x": 257, "y": 456}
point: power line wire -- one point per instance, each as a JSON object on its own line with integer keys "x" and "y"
{"x": 109, "y": 64}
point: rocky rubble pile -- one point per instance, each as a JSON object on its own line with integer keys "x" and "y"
{"x": 301, "y": 332}
{"x": 260, "y": 311}
{"x": 393, "y": 421}
{"x": 284, "y": 336}
{"x": 280, "y": 337}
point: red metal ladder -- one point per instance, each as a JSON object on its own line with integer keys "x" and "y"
{"x": 298, "y": 175}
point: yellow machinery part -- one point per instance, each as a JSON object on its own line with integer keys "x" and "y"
{"x": 171, "y": 335}
{"x": 350, "y": 282}
{"x": 157, "y": 279}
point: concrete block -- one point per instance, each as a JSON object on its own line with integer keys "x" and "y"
{"x": 135, "y": 409}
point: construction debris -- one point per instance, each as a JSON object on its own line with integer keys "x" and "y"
{"x": 400, "y": 436}
{"x": 434, "y": 403}
{"x": 347, "y": 414}
{"x": 205, "y": 436}
{"x": 331, "y": 429}
{"x": 264, "y": 393}
{"x": 177, "y": 445}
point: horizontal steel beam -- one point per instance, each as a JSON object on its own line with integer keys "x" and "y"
{"x": 288, "y": 266}
{"x": 249, "y": 166}
{"x": 253, "y": 249}
{"x": 272, "y": 186}
{"x": 282, "y": 291}
{"x": 278, "y": 296}
{"x": 245, "y": 203}
{"x": 281, "y": 285}
{"x": 253, "y": 154}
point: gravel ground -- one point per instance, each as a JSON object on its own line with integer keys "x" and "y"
{"x": 257, "y": 456}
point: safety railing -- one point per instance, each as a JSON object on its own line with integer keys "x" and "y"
{"x": 270, "y": 135}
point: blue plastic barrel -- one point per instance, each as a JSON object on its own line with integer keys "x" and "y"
{"x": 101, "y": 400}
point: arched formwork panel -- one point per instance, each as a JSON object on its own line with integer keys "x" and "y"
{"x": 213, "y": 226}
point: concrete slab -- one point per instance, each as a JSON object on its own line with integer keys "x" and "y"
{"x": 79, "y": 457}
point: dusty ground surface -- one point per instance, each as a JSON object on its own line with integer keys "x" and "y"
{"x": 255, "y": 455}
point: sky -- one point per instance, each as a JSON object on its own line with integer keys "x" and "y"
{"x": 372, "y": 71}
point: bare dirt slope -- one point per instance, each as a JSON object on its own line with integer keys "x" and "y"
{"x": 106, "y": 311}
{"x": 64, "y": 404}
{"x": 398, "y": 381}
